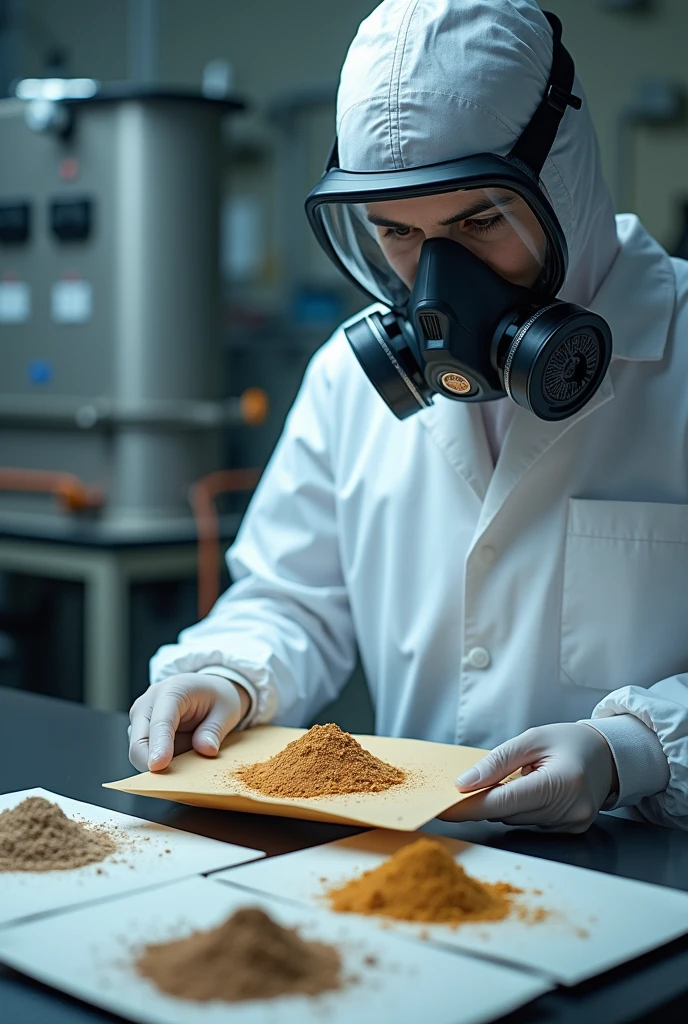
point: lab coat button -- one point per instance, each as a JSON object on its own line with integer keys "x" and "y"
{"x": 487, "y": 555}
{"x": 479, "y": 657}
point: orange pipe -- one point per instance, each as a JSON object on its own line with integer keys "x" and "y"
{"x": 202, "y": 497}
{"x": 71, "y": 492}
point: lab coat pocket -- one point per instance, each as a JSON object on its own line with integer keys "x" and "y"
{"x": 625, "y": 594}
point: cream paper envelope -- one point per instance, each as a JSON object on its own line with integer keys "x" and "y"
{"x": 428, "y": 791}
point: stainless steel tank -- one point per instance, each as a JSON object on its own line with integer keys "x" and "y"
{"x": 109, "y": 307}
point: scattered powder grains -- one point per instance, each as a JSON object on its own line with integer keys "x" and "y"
{"x": 37, "y": 835}
{"x": 249, "y": 956}
{"x": 423, "y": 882}
{"x": 323, "y": 762}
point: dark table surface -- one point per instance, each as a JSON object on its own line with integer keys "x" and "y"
{"x": 70, "y": 749}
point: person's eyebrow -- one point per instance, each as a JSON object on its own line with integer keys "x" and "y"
{"x": 480, "y": 206}
{"x": 384, "y": 222}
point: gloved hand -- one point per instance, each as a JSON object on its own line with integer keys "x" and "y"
{"x": 567, "y": 774}
{"x": 184, "y": 711}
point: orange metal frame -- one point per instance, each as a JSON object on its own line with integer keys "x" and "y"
{"x": 202, "y": 497}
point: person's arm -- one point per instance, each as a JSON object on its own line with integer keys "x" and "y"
{"x": 647, "y": 730}
{"x": 639, "y": 758}
{"x": 283, "y": 628}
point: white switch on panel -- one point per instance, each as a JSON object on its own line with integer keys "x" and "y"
{"x": 71, "y": 301}
{"x": 15, "y": 302}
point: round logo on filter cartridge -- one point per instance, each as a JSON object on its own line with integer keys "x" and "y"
{"x": 455, "y": 382}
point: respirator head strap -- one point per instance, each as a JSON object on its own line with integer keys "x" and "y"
{"x": 332, "y": 156}
{"x": 537, "y": 138}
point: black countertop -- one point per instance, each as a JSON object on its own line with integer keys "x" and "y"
{"x": 70, "y": 749}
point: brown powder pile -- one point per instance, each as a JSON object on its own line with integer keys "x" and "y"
{"x": 323, "y": 762}
{"x": 249, "y": 956}
{"x": 423, "y": 882}
{"x": 38, "y": 836}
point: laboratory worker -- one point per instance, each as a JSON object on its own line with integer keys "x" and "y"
{"x": 483, "y": 483}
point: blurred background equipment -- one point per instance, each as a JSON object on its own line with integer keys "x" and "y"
{"x": 680, "y": 246}
{"x": 109, "y": 214}
{"x": 111, "y": 396}
{"x": 658, "y": 103}
{"x": 626, "y": 5}
{"x": 203, "y": 496}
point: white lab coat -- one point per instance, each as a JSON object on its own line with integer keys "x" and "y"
{"x": 483, "y": 599}
{"x": 565, "y": 568}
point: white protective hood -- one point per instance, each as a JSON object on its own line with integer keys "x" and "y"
{"x": 431, "y": 80}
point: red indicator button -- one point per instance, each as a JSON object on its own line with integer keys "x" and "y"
{"x": 69, "y": 169}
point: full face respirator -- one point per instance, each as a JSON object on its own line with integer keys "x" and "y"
{"x": 452, "y": 324}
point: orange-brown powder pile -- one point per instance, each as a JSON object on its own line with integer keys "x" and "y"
{"x": 323, "y": 762}
{"x": 37, "y": 835}
{"x": 423, "y": 882}
{"x": 249, "y": 956}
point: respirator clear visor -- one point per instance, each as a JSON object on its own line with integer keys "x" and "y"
{"x": 379, "y": 242}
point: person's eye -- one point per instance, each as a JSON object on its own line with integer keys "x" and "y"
{"x": 398, "y": 232}
{"x": 483, "y": 225}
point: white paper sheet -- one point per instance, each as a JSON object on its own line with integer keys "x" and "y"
{"x": 87, "y": 952}
{"x": 151, "y": 854}
{"x": 595, "y": 920}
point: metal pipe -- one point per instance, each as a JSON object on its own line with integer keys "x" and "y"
{"x": 72, "y": 493}
{"x": 249, "y": 409}
{"x": 11, "y": 43}
{"x": 143, "y": 41}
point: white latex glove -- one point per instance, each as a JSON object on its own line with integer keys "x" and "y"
{"x": 186, "y": 711}
{"x": 568, "y": 773}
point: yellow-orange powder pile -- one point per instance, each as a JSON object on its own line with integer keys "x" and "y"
{"x": 423, "y": 882}
{"x": 249, "y": 956}
{"x": 323, "y": 762}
